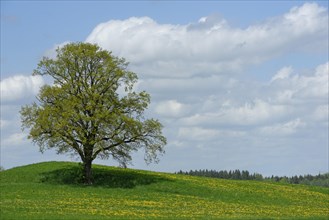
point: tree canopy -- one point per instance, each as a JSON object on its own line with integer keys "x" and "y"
{"x": 91, "y": 109}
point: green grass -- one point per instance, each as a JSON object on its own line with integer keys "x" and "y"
{"x": 51, "y": 190}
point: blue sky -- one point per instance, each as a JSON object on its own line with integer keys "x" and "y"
{"x": 237, "y": 84}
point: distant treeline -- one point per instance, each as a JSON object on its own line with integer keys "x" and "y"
{"x": 223, "y": 174}
{"x": 316, "y": 180}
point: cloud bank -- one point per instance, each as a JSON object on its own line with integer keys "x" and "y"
{"x": 211, "y": 46}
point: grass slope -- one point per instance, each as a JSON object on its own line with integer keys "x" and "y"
{"x": 49, "y": 191}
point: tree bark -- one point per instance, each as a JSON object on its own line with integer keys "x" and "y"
{"x": 87, "y": 172}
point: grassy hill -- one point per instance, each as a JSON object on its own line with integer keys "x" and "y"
{"x": 51, "y": 190}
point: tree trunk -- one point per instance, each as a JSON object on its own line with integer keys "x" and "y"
{"x": 87, "y": 172}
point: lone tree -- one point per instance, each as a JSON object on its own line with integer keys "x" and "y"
{"x": 83, "y": 112}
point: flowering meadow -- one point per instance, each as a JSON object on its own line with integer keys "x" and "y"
{"x": 50, "y": 191}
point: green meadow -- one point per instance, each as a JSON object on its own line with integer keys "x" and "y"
{"x": 52, "y": 190}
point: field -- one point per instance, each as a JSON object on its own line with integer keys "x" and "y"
{"x": 51, "y": 190}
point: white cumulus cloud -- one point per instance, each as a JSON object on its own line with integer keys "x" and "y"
{"x": 302, "y": 87}
{"x": 283, "y": 73}
{"x": 19, "y": 87}
{"x": 171, "y": 108}
{"x": 196, "y": 133}
{"x": 321, "y": 113}
{"x": 211, "y": 45}
{"x": 14, "y": 139}
{"x": 51, "y": 53}
{"x": 249, "y": 113}
{"x": 286, "y": 128}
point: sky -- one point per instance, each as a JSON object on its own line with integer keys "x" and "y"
{"x": 236, "y": 84}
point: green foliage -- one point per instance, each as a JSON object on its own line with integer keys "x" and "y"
{"x": 82, "y": 113}
{"x": 46, "y": 191}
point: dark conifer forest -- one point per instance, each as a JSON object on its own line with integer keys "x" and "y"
{"x": 314, "y": 180}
